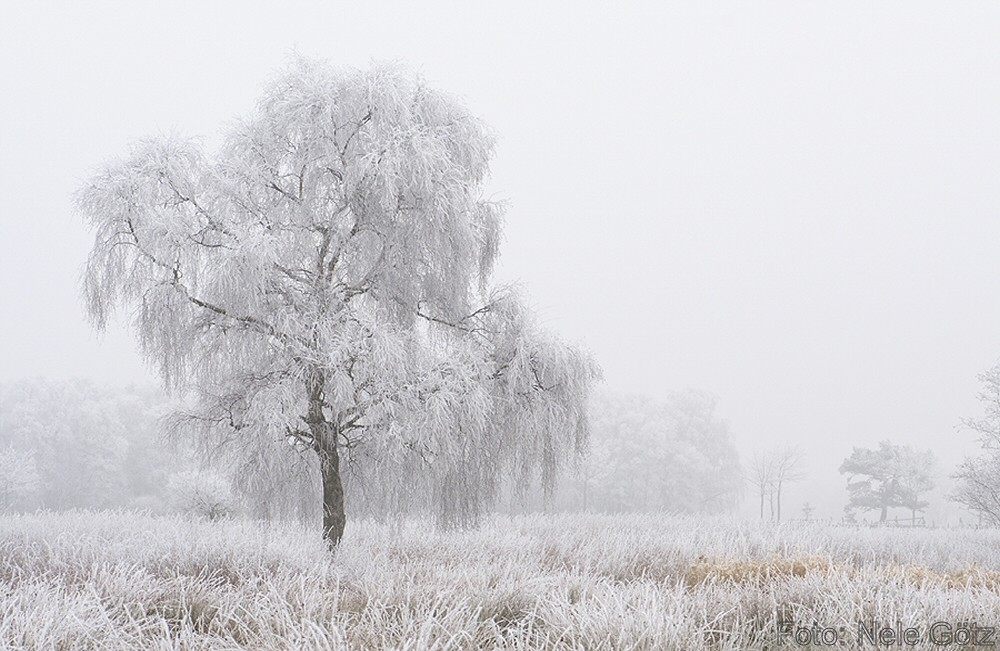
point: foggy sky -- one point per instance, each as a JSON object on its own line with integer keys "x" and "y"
{"x": 793, "y": 205}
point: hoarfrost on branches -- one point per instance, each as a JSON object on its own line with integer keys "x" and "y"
{"x": 977, "y": 479}
{"x": 321, "y": 285}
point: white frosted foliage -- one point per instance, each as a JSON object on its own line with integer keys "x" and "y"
{"x": 339, "y": 241}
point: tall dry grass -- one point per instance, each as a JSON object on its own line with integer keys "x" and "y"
{"x": 126, "y": 581}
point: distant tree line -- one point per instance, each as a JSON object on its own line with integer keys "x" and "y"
{"x": 673, "y": 453}
{"x": 74, "y": 444}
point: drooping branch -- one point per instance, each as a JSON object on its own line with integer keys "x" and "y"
{"x": 323, "y": 281}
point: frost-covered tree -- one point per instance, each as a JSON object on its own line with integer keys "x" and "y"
{"x": 977, "y": 479}
{"x": 977, "y": 486}
{"x": 321, "y": 283}
{"x": 987, "y": 426}
{"x": 889, "y": 476}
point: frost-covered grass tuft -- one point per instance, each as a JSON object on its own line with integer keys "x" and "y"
{"x": 126, "y": 581}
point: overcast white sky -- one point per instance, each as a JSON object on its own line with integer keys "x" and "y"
{"x": 793, "y": 205}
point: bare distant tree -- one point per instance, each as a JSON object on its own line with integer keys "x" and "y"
{"x": 761, "y": 477}
{"x": 769, "y": 473}
{"x": 787, "y": 464}
{"x": 324, "y": 279}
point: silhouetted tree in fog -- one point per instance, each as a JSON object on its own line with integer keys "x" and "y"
{"x": 886, "y": 477}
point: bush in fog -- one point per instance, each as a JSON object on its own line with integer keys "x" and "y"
{"x": 202, "y": 494}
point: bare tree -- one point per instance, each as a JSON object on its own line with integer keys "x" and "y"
{"x": 977, "y": 479}
{"x": 787, "y": 464}
{"x": 988, "y": 425}
{"x": 770, "y": 471}
{"x": 762, "y": 473}
{"x": 978, "y": 486}
{"x": 321, "y": 286}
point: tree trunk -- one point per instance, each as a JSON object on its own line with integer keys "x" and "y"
{"x": 334, "y": 518}
{"x": 762, "y": 504}
{"x": 778, "y": 519}
{"x": 325, "y": 442}
{"x": 885, "y": 513}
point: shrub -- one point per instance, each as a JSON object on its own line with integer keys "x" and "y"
{"x": 202, "y": 494}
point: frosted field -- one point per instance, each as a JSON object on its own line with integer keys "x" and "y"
{"x": 121, "y": 581}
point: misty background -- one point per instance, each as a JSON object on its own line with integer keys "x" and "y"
{"x": 791, "y": 207}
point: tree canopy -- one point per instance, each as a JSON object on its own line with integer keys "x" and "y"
{"x": 321, "y": 288}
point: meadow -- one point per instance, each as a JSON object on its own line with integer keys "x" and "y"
{"x": 120, "y": 580}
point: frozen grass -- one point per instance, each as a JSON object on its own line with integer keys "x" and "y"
{"x": 125, "y": 581}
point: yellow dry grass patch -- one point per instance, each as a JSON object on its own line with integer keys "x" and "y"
{"x": 970, "y": 577}
{"x": 756, "y": 572}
